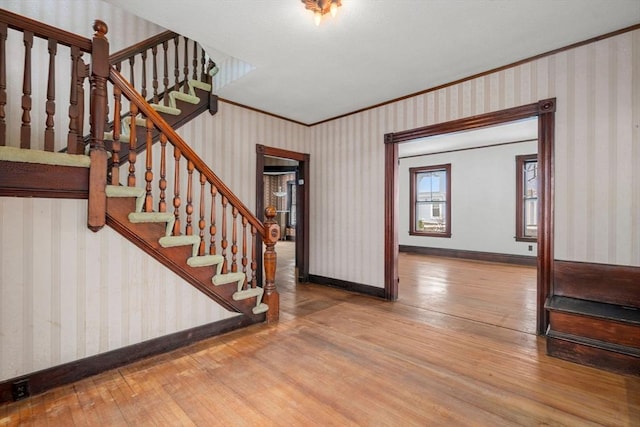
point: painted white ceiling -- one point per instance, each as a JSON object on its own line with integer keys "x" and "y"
{"x": 374, "y": 50}
{"x": 516, "y": 131}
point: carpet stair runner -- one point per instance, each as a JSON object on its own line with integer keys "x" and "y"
{"x": 195, "y": 260}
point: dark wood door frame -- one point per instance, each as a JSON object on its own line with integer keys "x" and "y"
{"x": 545, "y": 111}
{"x": 302, "y": 198}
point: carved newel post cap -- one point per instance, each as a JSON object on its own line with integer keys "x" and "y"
{"x": 270, "y": 212}
{"x": 100, "y": 27}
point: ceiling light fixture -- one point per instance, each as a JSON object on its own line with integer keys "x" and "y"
{"x": 322, "y": 7}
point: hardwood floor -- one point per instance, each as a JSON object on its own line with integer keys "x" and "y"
{"x": 337, "y": 358}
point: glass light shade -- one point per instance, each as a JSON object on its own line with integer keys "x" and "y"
{"x": 317, "y": 17}
{"x": 333, "y": 8}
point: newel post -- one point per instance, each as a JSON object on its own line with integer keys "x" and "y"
{"x": 271, "y": 236}
{"x": 96, "y": 217}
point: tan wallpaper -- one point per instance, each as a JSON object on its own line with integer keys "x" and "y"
{"x": 597, "y": 184}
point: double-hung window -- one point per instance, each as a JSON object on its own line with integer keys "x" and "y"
{"x": 527, "y": 198}
{"x": 430, "y": 210}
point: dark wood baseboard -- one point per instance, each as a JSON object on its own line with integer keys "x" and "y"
{"x": 611, "y": 284}
{"x": 347, "y": 286}
{"x": 472, "y": 255}
{"x": 56, "y": 376}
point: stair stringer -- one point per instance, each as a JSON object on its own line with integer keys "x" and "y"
{"x": 146, "y": 236}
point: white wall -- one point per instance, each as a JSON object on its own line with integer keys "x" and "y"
{"x": 483, "y": 199}
{"x": 597, "y": 157}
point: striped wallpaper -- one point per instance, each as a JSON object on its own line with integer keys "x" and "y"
{"x": 67, "y": 293}
{"x": 597, "y": 163}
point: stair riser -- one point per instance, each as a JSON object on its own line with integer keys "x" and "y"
{"x": 594, "y": 328}
{"x": 593, "y": 356}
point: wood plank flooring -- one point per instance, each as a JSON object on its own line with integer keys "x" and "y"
{"x": 341, "y": 359}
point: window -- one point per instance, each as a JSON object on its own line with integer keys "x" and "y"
{"x": 430, "y": 210}
{"x": 527, "y": 198}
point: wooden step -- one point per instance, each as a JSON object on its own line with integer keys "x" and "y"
{"x": 593, "y": 333}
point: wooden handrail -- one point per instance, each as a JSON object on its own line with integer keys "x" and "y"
{"x": 135, "y": 98}
{"x": 39, "y": 29}
{"x": 152, "y": 41}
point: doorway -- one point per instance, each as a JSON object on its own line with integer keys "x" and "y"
{"x": 544, "y": 110}
{"x": 299, "y": 228}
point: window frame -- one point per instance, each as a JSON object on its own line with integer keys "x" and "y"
{"x": 413, "y": 172}
{"x": 521, "y": 160}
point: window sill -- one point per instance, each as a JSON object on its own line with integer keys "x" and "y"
{"x": 417, "y": 233}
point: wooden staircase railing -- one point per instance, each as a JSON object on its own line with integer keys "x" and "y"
{"x": 178, "y": 180}
{"x": 72, "y": 79}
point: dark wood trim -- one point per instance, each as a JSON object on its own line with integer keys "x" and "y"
{"x": 303, "y": 198}
{"x": 545, "y": 111}
{"x": 280, "y": 169}
{"x": 471, "y": 255}
{"x": 484, "y": 73}
{"x": 237, "y": 104}
{"x": 612, "y": 284}
{"x": 42, "y": 30}
{"x": 56, "y": 376}
{"x": 347, "y": 286}
{"x": 391, "y": 275}
{"x": 412, "y": 200}
{"x": 19, "y": 179}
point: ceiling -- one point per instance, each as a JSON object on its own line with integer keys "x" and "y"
{"x": 374, "y": 51}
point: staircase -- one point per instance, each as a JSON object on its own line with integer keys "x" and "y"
{"x": 176, "y": 209}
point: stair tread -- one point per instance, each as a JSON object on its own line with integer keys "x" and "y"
{"x": 247, "y": 293}
{"x": 166, "y": 109}
{"x": 594, "y": 309}
{"x": 171, "y": 241}
{"x": 260, "y": 308}
{"x": 223, "y": 279}
{"x": 204, "y": 260}
{"x": 123, "y": 191}
{"x": 136, "y": 217}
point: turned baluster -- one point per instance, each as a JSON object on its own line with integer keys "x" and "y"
{"x": 165, "y": 79}
{"x": 162, "y": 204}
{"x": 224, "y": 242}
{"x": 189, "y": 208}
{"x": 202, "y": 223}
{"x": 50, "y": 106}
{"x": 234, "y": 239}
{"x": 115, "y": 146}
{"x": 3, "y": 83}
{"x": 143, "y": 92}
{"x": 72, "y": 137}
{"x": 245, "y": 221}
{"x": 82, "y": 74}
{"x": 195, "y": 60}
{"x": 186, "y": 65}
{"x": 154, "y": 52}
{"x": 271, "y": 236}
{"x": 148, "y": 176}
{"x": 132, "y": 60}
{"x": 176, "y": 67}
{"x": 213, "y": 228}
{"x": 254, "y": 261}
{"x": 133, "y": 113}
{"x": 176, "y": 191}
{"x": 203, "y": 60}
{"x": 25, "y": 129}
